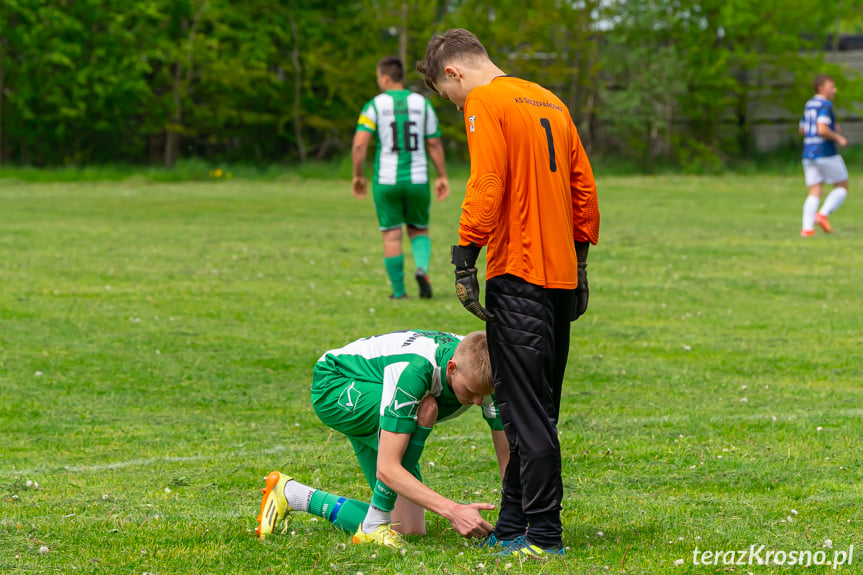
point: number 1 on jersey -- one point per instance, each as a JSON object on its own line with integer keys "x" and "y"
{"x": 552, "y": 163}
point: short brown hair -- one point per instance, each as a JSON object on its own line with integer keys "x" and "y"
{"x": 821, "y": 79}
{"x": 456, "y": 45}
{"x": 391, "y": 66}
{"x": 472, "y": 359}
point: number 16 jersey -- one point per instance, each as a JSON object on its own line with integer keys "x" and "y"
{"x": 401, "y": 122}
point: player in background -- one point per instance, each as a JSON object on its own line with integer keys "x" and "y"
{"x": 404, "y": 127}
{"x": 821, "y": 161}
{"x": 531, "y": 199}
{"x": 385, "y": 393}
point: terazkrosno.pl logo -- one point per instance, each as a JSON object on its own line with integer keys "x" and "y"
{"x": 761, "y": 555}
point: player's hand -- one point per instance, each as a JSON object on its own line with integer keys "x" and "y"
{"x": 466, "y": 284}
{"x": 358, "y": 187}
{"x": 467, "y": 521}
{"x": 441, "y": 188}
{"x": 841, "y": 140}
{"x": 582, "y": 292}
{"x": 467, "y": 291}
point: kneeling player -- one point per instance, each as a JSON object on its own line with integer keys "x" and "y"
{"x": 385, "y": 393}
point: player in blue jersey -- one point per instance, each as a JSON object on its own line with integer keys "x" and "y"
{"x": 821, "y": 161}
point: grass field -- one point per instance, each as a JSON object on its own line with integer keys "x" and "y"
{"x": 157, "y": 340}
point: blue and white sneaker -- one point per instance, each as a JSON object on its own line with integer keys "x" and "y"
{"x": 491, "y": 540}
{"x": 522, "y": 548}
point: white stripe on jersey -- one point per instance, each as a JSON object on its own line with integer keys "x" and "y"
{"x": 399, "y": 342}
{"x": 388, "y": 167}
{"x": 392, "y": 373}
{"x": 489, "y": 408}
{"x": 419, "y": 162}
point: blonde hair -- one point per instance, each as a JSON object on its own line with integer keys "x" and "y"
{"x": 472, "y": 359}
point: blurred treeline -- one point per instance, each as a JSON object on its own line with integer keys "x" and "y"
{"x": 152, "y": 81}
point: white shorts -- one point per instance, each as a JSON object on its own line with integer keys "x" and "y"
{"x": 830, "y": 169}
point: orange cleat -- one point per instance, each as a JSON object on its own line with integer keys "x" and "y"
{"x": 274, "y": 506}
{"x": 822, "y": 221}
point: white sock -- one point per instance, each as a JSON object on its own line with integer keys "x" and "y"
{"x": 833, "y": 201}
{"x": 810, "y": 207}
{"x": 375, "y": 518}
{"x": 298, "y": 495}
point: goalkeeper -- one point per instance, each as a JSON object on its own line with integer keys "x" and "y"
{"x": 531, "y": 198}
{"x": 385, "y": 393}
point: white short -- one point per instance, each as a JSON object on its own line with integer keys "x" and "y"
{"x": 830, "y": 170}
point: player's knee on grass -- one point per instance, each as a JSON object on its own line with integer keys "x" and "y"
{"x": 427, "y": 412}
{"x": 408, "y": 518}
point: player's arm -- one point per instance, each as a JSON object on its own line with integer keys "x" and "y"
{"x": 465, "y": 519}
{"x": 585, "y": 207}
{"x": 358, "y": 158}
{"x": 434, "y": 146}
{"x": 491, "y": 414}
{"x": 488, "y": 172}
{"x": 828, "y": 134}
{"x": 585, "y": 217}
{"x": 481, "y": 207}
{"x": 501, "y": 449}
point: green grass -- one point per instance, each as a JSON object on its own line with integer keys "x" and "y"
{"x": 156, "y": 345}
{"x": 783, "y": 162}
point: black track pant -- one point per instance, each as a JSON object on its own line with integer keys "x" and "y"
{"x": 529, "y": 344}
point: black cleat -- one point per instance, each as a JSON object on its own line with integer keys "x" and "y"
{"x": 424, "y": 283}
{"x": 403, "y": 296}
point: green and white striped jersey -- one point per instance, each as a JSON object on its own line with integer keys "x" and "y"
{"x": 408, "y": 365}
{"x": 401, "y": 122}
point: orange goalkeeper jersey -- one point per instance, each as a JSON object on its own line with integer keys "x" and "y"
{"x": 531, "y": 191}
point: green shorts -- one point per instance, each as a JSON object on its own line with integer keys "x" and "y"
{"x": 352, "y": 407}
{"x": 402, "y": 204}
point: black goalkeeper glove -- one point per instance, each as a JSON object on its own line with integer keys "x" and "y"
{"x": 466, "y": 284}
{"x": 582, "y": 292}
